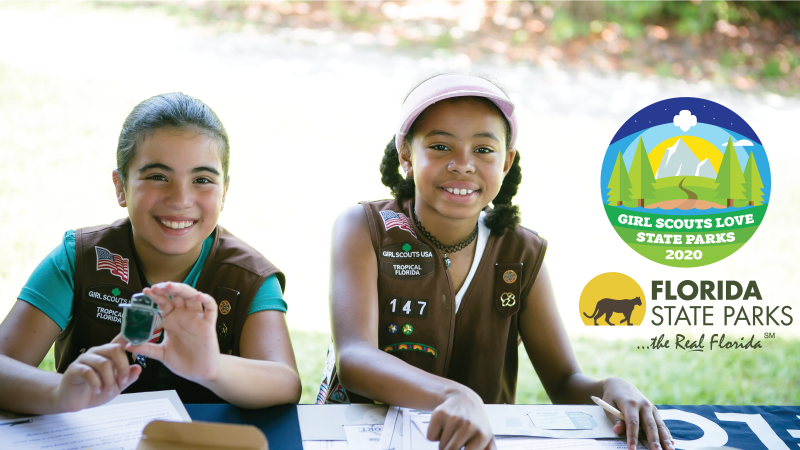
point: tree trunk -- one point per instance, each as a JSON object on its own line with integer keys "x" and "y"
{"x": 730, "y": 202}
{"x": 751, "y": 203}
{"x": 641, "y": 202}
{"x": 619, "y": 203}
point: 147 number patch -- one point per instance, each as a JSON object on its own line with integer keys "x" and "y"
{"x": 406, "y": 306}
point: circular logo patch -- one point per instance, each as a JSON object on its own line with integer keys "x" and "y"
{"x": 685, "y": 182}
{"x": 408, "y": 329}
{"x": 612, "y": 299}
{"x": 224, "y": 307}
{"x": 509, "y": 276}
{"x": 391, "y": 328}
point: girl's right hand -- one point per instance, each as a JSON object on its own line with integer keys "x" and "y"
{"x": 96, "y": 377}
{"x": 461, "y": 421}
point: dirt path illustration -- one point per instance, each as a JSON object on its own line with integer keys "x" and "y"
{"x": 688, "y": 203}
{"x": 691, "y": 195}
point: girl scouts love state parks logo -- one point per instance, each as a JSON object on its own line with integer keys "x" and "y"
{"x": 685, "y": 182}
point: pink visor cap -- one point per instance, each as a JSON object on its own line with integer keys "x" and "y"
{"x": 448, "y": 86}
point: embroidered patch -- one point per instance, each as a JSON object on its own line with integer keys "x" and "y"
{"x": 112, "y": 262}
{"x": 225, "y": 307}
{"x": 408, "y": 329}
{"x": 410, "y": 347}
{"x": 407, "y": 260}
{"x": 392, "y": 328}
{"x": 339, "y": 395}
{"x": 406, "y": 306}
{"x": 509, "y": 276}
{"x": 392, "y": 219}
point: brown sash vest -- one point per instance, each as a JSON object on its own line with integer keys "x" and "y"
{"x": 476, "y": 346}
{"x": 106, "y": 274}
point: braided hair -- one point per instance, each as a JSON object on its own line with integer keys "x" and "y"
{"x": 503, "y": 216}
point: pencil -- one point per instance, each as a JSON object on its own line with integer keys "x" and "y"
{"x": 608, "y": 407}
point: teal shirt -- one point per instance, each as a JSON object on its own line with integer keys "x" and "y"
{"x": 51, "y": 285}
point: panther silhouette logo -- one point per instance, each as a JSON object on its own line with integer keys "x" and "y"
{"x": 609, "y": 306}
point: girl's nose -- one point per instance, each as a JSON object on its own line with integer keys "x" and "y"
{"x": 462, "y": 162}
{"x": 180, "y": 196}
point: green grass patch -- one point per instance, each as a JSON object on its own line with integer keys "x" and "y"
{"x": 766, "y": 376}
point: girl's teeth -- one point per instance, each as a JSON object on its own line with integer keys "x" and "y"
{"x": 177, "y": 225}
{"x": 459, "y": 191}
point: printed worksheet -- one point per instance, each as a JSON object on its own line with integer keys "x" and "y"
{"x": 111, "y": 426}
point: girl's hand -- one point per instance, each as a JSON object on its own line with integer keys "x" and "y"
{"x": 461, "y": 421}
{"x": 638, "y": 411}
{"x": 96, "y": 377}
{"x": 190, "y": 347}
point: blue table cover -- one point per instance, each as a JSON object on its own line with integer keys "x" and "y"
{"x": 748, "y": 428}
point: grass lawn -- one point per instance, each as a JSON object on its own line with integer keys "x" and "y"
{"x": 766, "y": 376}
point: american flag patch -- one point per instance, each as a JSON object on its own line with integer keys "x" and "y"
{"x": 113, "y": 262}
{"x": 392, "y": 219}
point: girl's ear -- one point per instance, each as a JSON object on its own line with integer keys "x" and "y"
{"x": 510, "y": 155}
{"x": 119, "y": 187}
{"x": 405, "y": 162}
{"x": 225, "y": 192}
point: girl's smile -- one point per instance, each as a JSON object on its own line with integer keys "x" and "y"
{"x": 460, "y": 191}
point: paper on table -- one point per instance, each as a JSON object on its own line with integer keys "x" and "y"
{"x": 363, "y": 437}
{"x": 389, "y": 428}
{"x": 325, "y": 445}
{"x": 528, "y": 443}
{"x": 326, "y": 422}
{"x": 111, "y": 426}
{"x": 513, "y": 420}
{"x": 562, "y": 420}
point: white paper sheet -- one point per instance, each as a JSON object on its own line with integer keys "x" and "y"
{"x": 112, "y": 426}
{"x": 325, "y": 445}
{"x": 363, "y": 437}
{"x": 389, "y": 428}
{"x": 513, "y": 420}
{"x": 326, "y": 422}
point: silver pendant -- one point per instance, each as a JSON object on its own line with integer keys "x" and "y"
{"x": 446, "y": 261}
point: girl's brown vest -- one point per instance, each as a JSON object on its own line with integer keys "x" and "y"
{"x": 232, "y": 274}
{"x": 476, "y": 346}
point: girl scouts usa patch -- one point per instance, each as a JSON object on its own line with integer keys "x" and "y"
{"x": 407, "y": 260}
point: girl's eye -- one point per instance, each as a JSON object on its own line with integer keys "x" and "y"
{"x": 157, "y": 177}
{"x": 440, "y": 147}
{"x": 483, "y": 150}
{"x": 203, "y": 180}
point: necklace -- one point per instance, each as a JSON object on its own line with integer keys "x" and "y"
{"x": 445, "y": 249}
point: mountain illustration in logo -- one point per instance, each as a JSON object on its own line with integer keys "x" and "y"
{"x": 680, "y": 160}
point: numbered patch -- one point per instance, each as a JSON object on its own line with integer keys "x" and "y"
{"x": 406, "y": 306}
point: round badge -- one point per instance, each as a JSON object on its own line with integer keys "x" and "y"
{"x": 509, "y": 276}
{"x": 391, "y": 328}
{"x": 685, "y": 182}
{"x": 408, "y": 329}
{"x": 224, "y": 307}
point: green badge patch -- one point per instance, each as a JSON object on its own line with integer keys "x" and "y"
{"x": 116, "y": 292}
{"x": 406, "y": 247}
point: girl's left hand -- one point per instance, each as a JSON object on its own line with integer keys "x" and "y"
{"x": 638, "y": 411}
{"x": 190, "y": 347}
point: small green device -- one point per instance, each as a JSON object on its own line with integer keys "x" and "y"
{"x": 138, "y": 319}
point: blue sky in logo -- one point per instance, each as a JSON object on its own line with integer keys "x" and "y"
{"x": 654, "y": 124}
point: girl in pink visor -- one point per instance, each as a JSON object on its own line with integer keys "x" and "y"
{"x": 436, "y": 289}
